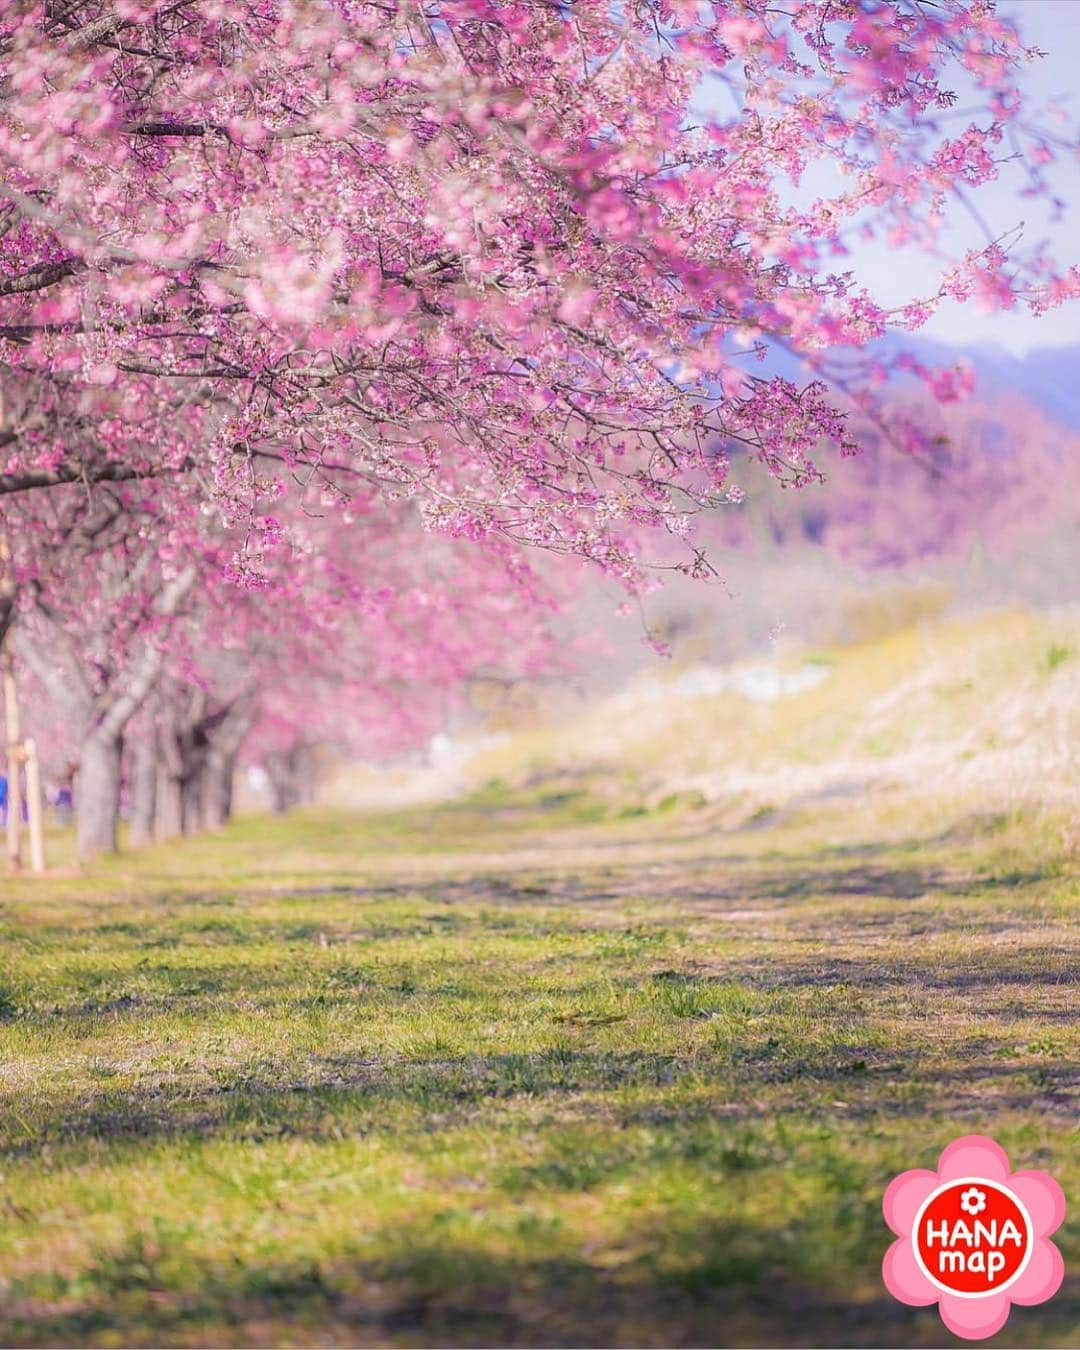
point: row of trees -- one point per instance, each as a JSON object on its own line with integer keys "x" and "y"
{"x": 156, "y": 669}
{"x": 315, "y": 318}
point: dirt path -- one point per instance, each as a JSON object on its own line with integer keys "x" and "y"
{"x": 468, "y": 1076}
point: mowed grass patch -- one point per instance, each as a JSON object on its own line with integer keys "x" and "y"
{"x": 474, "y": 1075}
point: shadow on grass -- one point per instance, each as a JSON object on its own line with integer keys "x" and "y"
{"x": 1037, "y": 971}
{"x": 715, "y": 1285}
{"x": 339, "y": 1093}
{"x": 790, "y": 879}
{"x": 714, "y": 879}
{"x": 341, "y": 1096}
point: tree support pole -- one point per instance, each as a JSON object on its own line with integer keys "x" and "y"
{"x": 14, "y": 757}
{"x": 33, "y": 806}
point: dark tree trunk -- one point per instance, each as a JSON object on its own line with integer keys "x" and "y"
{"x": 191, "y": 798}
{"x": 98, "y": 800}
{"x": 187, "y": 727}
{"x": 226, "y": 733}
{"x": 217, "y": 788}
{"x": 283, "y": 793}
{"x": 144, "y": 773}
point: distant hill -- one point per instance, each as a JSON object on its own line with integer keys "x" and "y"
{"x": 1048, "y": 377}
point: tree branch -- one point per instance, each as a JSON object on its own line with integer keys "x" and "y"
{"x": 37, "y": 278}
{"x": 103, "y": 27}
{"x": 123, "y": 709}
{"x": 25, "y": 480}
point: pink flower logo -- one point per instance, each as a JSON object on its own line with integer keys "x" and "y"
{"x": 973, "y": 1237}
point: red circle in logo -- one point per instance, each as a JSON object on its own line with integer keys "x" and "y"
{"x": 972, "y": 1237}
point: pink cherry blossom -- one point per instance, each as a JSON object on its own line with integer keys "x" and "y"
{"x": 315, "y": 319}
{"x": 495, "y": 258}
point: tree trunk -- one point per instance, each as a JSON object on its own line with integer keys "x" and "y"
{"x": 226, "y": 733}
{"x": 144, "y": 772}
{"x": 14, "y": 764}
{"x": 283, "y": 770}
{"x": 98, "y": 801}
{"x": 98, "y": 789}
{"x": 217, "y": 788}
{"x": 169, "y": 813}
{"x": 283, "y": 795}
{"x": 307, "y": 775}
{"x": 191, "y": 798}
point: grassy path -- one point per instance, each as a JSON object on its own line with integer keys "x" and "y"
{"x": 468, "y": 1076}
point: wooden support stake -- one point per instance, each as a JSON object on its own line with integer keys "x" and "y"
{"x": 14, "y": 756}
{"x": 33, "y": 806}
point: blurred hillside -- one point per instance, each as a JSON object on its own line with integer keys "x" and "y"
{"x": 981, "y": 711}
{"x": 1045, "y": 377}
{"x": 908, "y": 625}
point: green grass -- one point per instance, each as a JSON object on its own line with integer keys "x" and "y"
{"x": 506, "y": 1074}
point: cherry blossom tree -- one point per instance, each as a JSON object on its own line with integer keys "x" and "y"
{"x": 510, "y": 258}
{"x": 368, "y": 667}
{"x": 355, "y": 637}
{"x": 98, "y": 613}
{"x": 504, "y": 268}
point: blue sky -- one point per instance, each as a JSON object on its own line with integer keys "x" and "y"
{"x": 1054, "y": 26}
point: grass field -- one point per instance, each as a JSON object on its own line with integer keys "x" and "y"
{"x": 526, "y": 1070}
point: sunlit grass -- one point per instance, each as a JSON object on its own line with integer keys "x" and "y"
{"x": 496, "y": 1073}
{"x": 985, "y": 707}
{"x": 602, "y": 1054}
